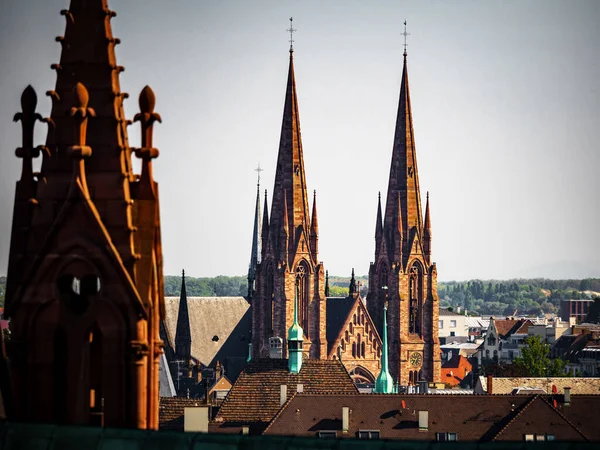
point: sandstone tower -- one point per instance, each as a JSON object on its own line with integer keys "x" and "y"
{"x": 403, "y": 272}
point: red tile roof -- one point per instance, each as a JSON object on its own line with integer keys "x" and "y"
{"x": 170, "y": 412}
{"x": 255, "y": 396}
{"x": 473, "y": 418}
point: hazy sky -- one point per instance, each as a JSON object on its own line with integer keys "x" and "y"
{"x": 506, "y": 110}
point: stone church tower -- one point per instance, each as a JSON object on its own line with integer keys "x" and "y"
{"x": 289, "y": 248}
{"x": 403, "y": 273}
{"x": 85, "y": 283}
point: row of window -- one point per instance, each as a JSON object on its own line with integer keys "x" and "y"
{"x": 452, "y": 324}
{"x": 375, "y": 434}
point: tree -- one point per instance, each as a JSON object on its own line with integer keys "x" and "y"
{"x": 534, "y": 360}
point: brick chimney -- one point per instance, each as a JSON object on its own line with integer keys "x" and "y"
{"x": 490, "y": 383}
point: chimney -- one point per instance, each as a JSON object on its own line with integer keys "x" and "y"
{"x": 423, "y": 420}
{"x": 490, "y": 382}
{"x": 195, "y": 419}
{"x": 567, "y": 396}
{"x": 299, "y": 388}
{"x": 282, "y": 394}
{"x": 345, "y": 418}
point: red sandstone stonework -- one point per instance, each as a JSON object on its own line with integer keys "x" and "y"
{"x": 403, "y": 262}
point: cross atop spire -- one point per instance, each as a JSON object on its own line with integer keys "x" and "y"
{"x": 291, "y": 30}
{"x": 405, "y": 34}
{"x": 258, "y": 170}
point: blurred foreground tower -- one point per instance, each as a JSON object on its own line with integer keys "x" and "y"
{"x": 85, "y": 283}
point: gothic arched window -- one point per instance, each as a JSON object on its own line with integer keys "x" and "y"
{"x": 415, "y": 295}
{"x": 303, "y": 301}
{"x": 269, "y": 299}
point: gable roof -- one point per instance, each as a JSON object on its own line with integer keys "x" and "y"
{"x": 471, "y": 417}
{"x": 220, "y": 327}
{"x": 505, "y": 326}
{"x": 538, "y": 417}
{"x": 255, "y": 396}
{"x": 445, "y": 312}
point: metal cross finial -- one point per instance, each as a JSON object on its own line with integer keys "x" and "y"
{"x": 258, "y": 170}
{"x": 405, "y": 34}
{"x": 291, "y": 30}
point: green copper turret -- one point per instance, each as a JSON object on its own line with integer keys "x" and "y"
{"x": 384, "y": 383}
{"x": 295, "y": 339}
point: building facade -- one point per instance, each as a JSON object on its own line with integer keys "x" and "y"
{"x": 403, "y": 273}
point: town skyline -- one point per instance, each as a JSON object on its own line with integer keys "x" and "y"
{"x": 505, "y": 112}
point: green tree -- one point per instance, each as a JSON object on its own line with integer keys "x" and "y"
{"x": 535, "y": 362}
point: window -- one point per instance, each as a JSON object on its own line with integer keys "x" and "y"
{"x": 529, "y": 437}
{"x": 368, "y": 434}
{"x": 452, "y": 333}
{"x": 441, "y": 325}
{"x": 446, "y": 436}
{"x": 453, "y": 324}
{"x": 327, "y": 434}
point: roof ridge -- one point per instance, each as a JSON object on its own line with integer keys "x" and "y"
{"x": 565, "y": 418}
{"x": 283, "y": 407}
{"x": 523, "y": 408}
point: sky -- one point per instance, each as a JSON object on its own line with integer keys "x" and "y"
{"x": 506, "y": 111}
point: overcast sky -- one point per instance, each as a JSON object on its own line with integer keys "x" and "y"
{"x": 506, "y": 110}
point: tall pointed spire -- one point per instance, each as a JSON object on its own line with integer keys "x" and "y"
{"x": 183, "y": 335}
{"x": 314, "y": 230}
{"x": 256, "y": 253}
{"x": 264, "y": 236}
{"x": 384, "y": 383}
{"x": 327, "y": 283}
{"x": 289, "y": 176}
{"x": 378, "y": 224}
{"x": 404, "y": 175}
{"x": 295, "y": 338}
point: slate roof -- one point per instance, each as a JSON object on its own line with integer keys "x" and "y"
{"x": 578, "y": 385}
{"x": 255, "y": 395}
{"x": 474, "y": 418}
{"x": 338, "y": 309}
{"x": 227, "y": 318}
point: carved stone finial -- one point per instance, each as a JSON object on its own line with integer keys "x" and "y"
{"x": 80, "y": 112}
{"x": 147, "y": 100}
{"x": 29, "y": 100}
{"x": 147, "y": 117}
{"x": 28, "y": 117}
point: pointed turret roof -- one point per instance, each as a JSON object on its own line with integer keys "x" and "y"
{"x": 427, "y": 225}
{"x": 314, "y": 223}
{"x": 289, "y": 176}
{"x": 264, "y": 235}
{"x": 183, "y": 335}
{"x": 404, "y": 175}
{"x": 88, "y": 57}
{"x": 352, "y": 287}
{"x": 384, "y": 383}
{"x": 255, "y": 253}
{"x": 379, "y": 223}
